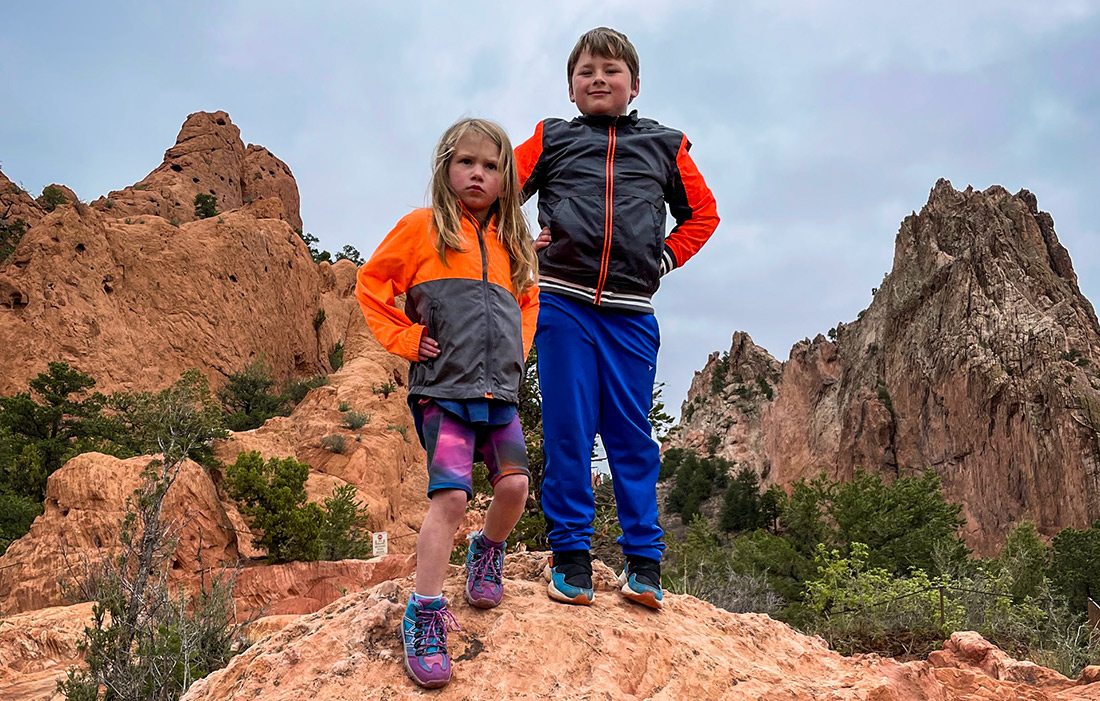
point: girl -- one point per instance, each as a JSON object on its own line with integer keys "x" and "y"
{"x": 467, "y": 268}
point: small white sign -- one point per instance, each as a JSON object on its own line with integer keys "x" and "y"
{"x": 381, "y": 542}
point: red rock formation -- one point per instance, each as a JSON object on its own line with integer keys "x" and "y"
{"x": 297, "y": 588}
{"x": 36, "y": 649}
{"x": 978, "y": 357}
{"x": 135, "y": 302}
{"x": 208, "y": 158}
{"x": 531, "y": 647}
{"x": 16, "y": 204}
{"x": 86, "y": 501}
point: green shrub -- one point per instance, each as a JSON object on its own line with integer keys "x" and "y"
{"x": 318, "y": 319}
{"x": 1075, "y": 565}
{"x": 718, "y": 374}
{"x": 336, "y": 356}
{"x": 145, "y": 642}
{"x": 696, "y": 480}
{"x": 344, "y": 535}
{"x": 350, "y": 253}
{"x": 297, "y": 390}
{"x": 11, "y": 233}
{"x": 272, "y": 498}
{"x": 344, "y": 406}
{"x": 56, "y": 419}
{"x": 52, "y": 197}
{"x": 249, "y": 399}
{"x": 860, "y": 608}
{"x": 385, "y": 389}
{"x": 334, "y": 443}
{"x": 355, "y": 420}
{"x": 206, "y": 205}
{"x": 318, "y": 255}
{"x": 670, "y": 462}
{"x": 16, "y": 515}
{"x": 699, "y": 565}
{"x": 741, "y": 505}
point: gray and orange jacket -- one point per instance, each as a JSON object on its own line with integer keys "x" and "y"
{"x": 603, "y": 185}
{"x": 484, "y": 329}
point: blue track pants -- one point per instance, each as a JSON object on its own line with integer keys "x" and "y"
{"x": 596, "y": 372}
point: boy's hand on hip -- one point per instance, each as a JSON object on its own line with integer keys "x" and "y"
{"x": 543, "y": 239}
{"x": 428, "y": 348}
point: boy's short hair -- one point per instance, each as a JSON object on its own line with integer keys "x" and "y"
{"x": 605, "y": 43}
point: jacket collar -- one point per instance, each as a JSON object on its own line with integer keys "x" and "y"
{"x": 468, "y": 217}
{"x": 603, "y": 120}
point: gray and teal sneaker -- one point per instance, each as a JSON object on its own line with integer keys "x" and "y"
{"x": 484, "y": 572}
{"x": 570, "y": 576}
{"x": 424, "y": 634}
{"x": 641, "y": 581}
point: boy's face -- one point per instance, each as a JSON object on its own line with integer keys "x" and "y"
{"x": 602, "y": 86}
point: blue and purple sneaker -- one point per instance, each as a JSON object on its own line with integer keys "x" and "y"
{"x": 484, "y": 571}
{"x": 424, "y": 634}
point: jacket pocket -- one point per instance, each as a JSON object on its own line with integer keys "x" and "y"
{"x": 637, "y": 245}
{"x": 577, "y": 230}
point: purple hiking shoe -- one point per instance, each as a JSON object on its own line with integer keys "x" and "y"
{"x": 484, "y": 567}
{"x": 424, "y": 633}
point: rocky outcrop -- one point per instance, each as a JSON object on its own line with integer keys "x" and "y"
{"x": 612, "y": 650}
{"x": 135, "y": 302}
{"x": 36, "y": 649}
{"x": 383, "y": 459}
{"x": 86, "y": 501}
{"x": 722, "y": 414}
{"x": 978, "y": 357}
{"x": 297, "y": 588}
{"x": 16, "y": 204}
{"x": 208, "y": 158}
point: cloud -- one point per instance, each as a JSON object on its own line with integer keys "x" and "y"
{"x": 818, "y": 124}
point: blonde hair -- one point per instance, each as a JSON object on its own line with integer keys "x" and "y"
{"x": 447, "y": 210}
{"x": 605, "y": 43}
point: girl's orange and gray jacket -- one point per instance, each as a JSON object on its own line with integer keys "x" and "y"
{"x": 468, "y": 305}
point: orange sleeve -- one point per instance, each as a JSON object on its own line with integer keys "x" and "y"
{"x": 387, "y": 274}
{"x": 527, "y": 160}
{"x": 692, "y": 205}
{"x": 529, "y": 312}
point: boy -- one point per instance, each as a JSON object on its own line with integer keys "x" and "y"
{"x": 603, "y": 181}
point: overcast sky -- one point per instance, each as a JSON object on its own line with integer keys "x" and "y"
{"x": 819, "y": 125}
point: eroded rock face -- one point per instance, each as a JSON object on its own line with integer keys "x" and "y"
{"x": 135, "y": 302}
{"x": 978, "y": 357}
{"x": 86, "y": 501}
{"x": 382, "y": 459}
{"x": 208, "y": 158}
{"x": 36, "y": 649}
{"x": 16, "y": 204}
{"x": 612, "y": 650}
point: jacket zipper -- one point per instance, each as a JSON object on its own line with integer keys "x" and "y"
{"x": 608, "y": 217}
{"x": 488, "y": 309}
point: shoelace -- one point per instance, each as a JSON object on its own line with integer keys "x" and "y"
{"x": 431, "y": 631}
{"x": 487, "y": 563}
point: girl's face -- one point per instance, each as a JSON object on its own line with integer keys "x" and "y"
{"x": 473, "y": 173}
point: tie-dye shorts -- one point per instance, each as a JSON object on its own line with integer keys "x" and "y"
{"x": 454, "y": 445}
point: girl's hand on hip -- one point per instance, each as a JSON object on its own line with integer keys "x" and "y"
{"x": 543, "y": 239}
{"x": 429, "y": 348}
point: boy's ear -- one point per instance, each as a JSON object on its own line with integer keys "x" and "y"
{"x": 633, "y": 91}
{"x": 572, "y": 98}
